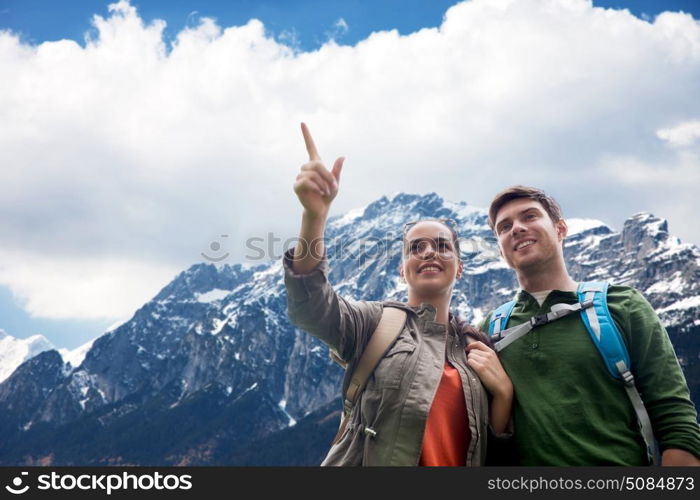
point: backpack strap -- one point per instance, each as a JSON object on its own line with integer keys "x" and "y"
{"x": 602, "y": 328}
{"x": 390, "y": 326}
{"x": 500, "y": 317}
{"x": 608, "y": 340}
{"x": 503, "y": 338}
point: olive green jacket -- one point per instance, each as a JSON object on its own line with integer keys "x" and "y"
{"x": 399, "y": 393}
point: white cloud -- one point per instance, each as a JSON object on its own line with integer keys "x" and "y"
{"x": 341, "y": 25}
{"x": 124, "y": 159}
{"x": 340, "y": 28}
{"x": 681, "y": 135}
{"x": 84, "y": 286}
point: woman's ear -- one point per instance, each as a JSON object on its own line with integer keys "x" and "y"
{"x": 460, "y": 269}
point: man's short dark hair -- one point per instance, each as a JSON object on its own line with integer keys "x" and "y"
{"x": 516, "y": 192}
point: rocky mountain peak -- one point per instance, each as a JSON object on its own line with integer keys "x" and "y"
{"x": 643, "y": 233}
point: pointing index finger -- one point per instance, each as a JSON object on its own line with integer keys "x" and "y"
{"x": 310, "y": 145}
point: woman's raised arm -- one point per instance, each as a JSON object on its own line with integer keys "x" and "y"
{"x": 316, "y": 187}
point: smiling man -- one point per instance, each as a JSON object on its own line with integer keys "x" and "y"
{"x": 569, "y": 408}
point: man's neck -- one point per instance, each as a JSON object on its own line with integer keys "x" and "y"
{"x": 441, "y": 305}
{"x": 540, "y": 280}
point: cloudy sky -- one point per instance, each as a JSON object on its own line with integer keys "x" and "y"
{"x": 132, "y": 138}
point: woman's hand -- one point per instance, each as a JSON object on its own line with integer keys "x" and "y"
{"x": 484, "y": 361}
{"x": 315, "y": 186}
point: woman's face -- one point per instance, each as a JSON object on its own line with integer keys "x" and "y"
{"x": 431, "y": 261}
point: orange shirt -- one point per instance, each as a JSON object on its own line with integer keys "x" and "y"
{"x": 447, "y": 435}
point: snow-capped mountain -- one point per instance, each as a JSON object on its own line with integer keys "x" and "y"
{"x": 14, "y": 352}
{"x": 210, "y": 371}
{"x": 76, "y": 356}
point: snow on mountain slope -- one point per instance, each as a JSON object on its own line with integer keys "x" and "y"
{"x": 14, "y": 352}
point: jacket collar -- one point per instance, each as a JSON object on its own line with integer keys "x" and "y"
{"x": 423, "y": 311}
{"x": 524, "y": 296}
{"x": 417, "y": 311}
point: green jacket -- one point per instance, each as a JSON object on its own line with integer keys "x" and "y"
{"x": 568, "y": 409}
{"x": 399, "y": 394}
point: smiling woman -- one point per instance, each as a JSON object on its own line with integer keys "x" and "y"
{"x": 427, "y": 401}
{"x": 430, "y": 263}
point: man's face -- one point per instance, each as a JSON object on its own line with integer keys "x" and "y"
{"x": 527, "y": 237}
{"x": 430, "y": 260}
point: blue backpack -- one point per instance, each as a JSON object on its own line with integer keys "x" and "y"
{"x": 593, "y": 308}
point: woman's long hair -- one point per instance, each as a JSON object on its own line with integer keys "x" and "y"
{"x": 465, "y": 330}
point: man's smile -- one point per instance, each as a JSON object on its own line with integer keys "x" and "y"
{"x": 523, "y": 244}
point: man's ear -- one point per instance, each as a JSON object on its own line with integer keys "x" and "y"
{"x": 460, "y": 269}
{"x": 562, "y": 229}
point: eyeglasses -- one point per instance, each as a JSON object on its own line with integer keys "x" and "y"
{"x": 451, "y": 223}
{"x": 418, "y": 247}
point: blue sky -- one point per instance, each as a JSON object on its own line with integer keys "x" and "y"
{"x": 310, "y": 20}
{"x": 135, "y": 160}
